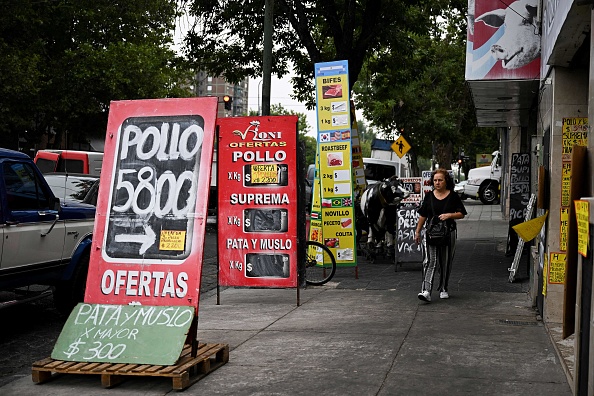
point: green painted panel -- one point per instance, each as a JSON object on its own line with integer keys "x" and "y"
{"x": 124, "y": 334}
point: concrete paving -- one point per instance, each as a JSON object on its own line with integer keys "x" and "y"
{"x": 371, "y": 335}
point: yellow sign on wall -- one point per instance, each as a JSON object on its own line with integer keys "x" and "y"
{"x": 565, "y": 184}
{"x": 563, "y": 228}
{"x": 557, "y": 264}
{"x": 574, "y": 133}
{"x": 582, "y": 214}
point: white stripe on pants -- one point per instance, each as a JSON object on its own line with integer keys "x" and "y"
{"x": 434, "y": 254}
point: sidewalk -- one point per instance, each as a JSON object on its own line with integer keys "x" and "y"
{"x": 372, "y": 336}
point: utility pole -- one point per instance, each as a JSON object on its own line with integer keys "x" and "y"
{"x": 267, "y": 56}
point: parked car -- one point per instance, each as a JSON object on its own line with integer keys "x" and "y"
{"x": 46, "y": 241}
{"x": 76, "y": 187}
{"x": 460, "y": 189}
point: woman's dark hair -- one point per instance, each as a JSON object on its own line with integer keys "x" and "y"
{"x": 446, "y": 175}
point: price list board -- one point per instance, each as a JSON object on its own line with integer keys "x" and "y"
{"x": 334, "y": 224}
{"x": 574, "y": 133}
{"x": 143, "y": 286}
{"x": 519, "y": 195}
{"x": 257, "y": 179}
{"x": 148, "y": 241}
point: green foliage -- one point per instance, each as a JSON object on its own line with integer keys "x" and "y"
{"x": 227, "y": 35}
{"x": 406, "y": 59}
{"x": 65, "y": 61}
{"x": 366, "y": 136}
{"x": 311, "y": 145}
{"x": 423, "y": 95}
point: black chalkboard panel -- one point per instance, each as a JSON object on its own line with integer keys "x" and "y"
{"x": 519, "y": 195}
{"x": 407, "y": 250}
{"x": 153, "y": 196}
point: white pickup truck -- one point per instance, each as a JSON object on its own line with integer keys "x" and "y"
{"x": 44, "y": 241}
{"x": 484, "y": 182}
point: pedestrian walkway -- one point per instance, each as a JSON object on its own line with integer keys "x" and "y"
{"x": 371, "y": 335}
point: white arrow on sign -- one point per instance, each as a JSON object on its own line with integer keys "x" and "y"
{"x": 146, "y": 240}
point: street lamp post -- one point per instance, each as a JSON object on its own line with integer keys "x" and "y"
{"x": 259, "y": 104}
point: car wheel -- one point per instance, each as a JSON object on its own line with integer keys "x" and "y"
{"x": 69, "y": 293}
{"x": 488, "y": 194}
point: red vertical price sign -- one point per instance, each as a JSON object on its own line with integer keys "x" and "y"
{"x": 257, "y": 184}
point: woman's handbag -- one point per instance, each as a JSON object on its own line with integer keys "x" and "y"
{"x": 438, "y": 231}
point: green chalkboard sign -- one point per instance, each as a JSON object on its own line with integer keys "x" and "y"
{"x": 124, "y": 334}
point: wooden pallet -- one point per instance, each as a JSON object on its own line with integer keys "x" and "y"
{"x": 184, "y": 373}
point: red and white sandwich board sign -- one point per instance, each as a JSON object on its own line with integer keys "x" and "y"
{"x": 148, "y": 241}
{"x": 257, "y": 183}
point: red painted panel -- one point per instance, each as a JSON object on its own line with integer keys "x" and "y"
{"x": 148, "y": 242}
{"x": 257, "y": 179}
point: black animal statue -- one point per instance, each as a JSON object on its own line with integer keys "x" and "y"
{"x": 379, "y": 204}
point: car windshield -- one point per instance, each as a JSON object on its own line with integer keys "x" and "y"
{"x": 378, "y": 172}
{"x": 70, "y": 188}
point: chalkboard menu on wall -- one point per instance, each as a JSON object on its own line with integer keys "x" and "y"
{"x": 519, "y": 187}
{"x": 407, "y": 250}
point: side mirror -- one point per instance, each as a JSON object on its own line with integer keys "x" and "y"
{"x": 55, "y": 204}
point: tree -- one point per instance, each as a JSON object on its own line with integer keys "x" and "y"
{"x": 366, "y": 137}
{"x": 423, "y": 96}
{"x": 384, "y": 41}
{"x": 227, "y": 36}
{"x": 65, "y": 60}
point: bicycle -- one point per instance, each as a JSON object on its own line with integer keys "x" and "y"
{"x": 320, "y": 264}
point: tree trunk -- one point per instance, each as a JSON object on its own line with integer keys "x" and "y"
{"x": 443, "y": 153}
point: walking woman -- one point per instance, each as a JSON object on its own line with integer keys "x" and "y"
{"x": 446, "y": 204}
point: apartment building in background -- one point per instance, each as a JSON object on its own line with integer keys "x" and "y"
{"x": 207, "y": 85}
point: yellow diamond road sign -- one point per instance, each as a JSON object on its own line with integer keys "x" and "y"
{"x": 400, "y": 147}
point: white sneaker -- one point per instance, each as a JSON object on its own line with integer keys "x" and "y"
{"x": 425, "y": 296}
{"x": 444, "y": 294}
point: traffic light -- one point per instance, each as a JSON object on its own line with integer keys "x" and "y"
{"x": 459, "y": 161}
{"x": 227, "y": 100}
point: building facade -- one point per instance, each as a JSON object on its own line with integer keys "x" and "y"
{"x": 530, "y": 71}
{"x": 208, "y": 85}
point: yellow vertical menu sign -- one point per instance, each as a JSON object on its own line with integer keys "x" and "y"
{"x": 582, "y": 215}
{"x": 336, "y": 219}
{"x": 574, "y": 133}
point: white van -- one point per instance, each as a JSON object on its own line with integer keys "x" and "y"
{"x": 379, "y": 169}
